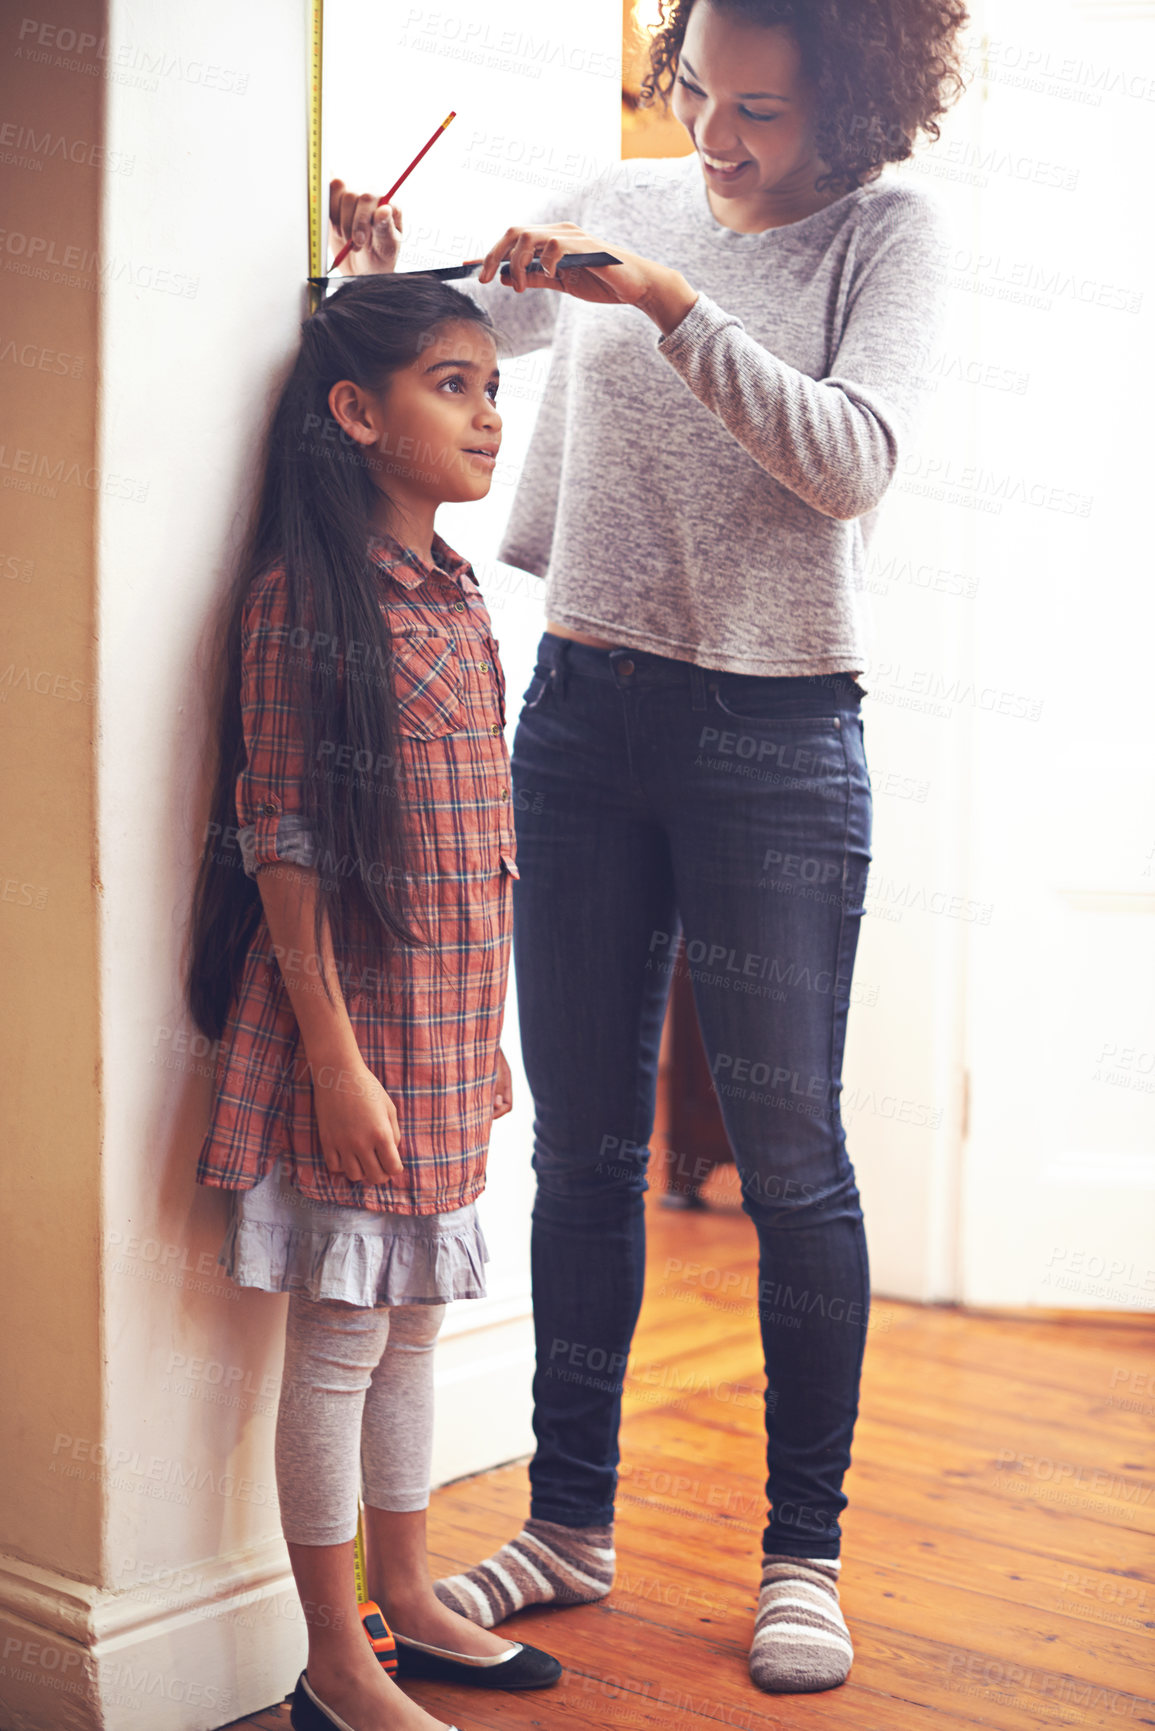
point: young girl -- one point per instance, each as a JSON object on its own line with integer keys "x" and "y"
{"x": 349, "y": 951}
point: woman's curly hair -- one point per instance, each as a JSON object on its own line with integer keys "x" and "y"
{"x": 882, "y": 71}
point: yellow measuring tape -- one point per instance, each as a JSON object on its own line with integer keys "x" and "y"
{"x": 381, "y": 1638}
{"x": 318, "y": 216}
{"x": 359, "y": 1547}
{"x": 318, "y": 249}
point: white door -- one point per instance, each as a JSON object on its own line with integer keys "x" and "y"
{"x": 1058, "y": 1200}
{"x": 1000, "y": 1066}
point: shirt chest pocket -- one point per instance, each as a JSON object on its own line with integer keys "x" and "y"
{"x": 428, "y": 682}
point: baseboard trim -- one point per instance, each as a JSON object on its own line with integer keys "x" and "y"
{"x": 195, "y": 1647}
{"x": 79, "y": 1612}
{"x": 149, "y": 1658}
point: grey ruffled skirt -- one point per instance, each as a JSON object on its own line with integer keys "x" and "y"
{"x": 282, "y": 1241}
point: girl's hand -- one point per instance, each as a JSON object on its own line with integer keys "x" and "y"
{"x": 353, "y": 214}
{"x": 625, "y": 284}
{"x": 503, "y": 1093}
{"x": 358, "y": 1123}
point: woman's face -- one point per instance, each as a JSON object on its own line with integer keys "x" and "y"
{"x": 740, "y": 94}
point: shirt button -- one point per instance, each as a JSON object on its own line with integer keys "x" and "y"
{"x": 505, "y": 793}
{"x": 495, "y": 727}
{"x": 485, "y": 666}
{"x": 269, "y": 808}
{"x": 459, "y": 606}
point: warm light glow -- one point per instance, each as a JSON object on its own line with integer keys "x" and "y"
{"x": 647, "y": 15}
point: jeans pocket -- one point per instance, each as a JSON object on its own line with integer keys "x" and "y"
{"x": 538, "y": 686}
{"x": 751, "y": 697}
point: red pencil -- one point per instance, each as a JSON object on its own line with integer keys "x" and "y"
{"x": 385, "y": 200}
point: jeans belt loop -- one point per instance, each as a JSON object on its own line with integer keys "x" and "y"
{"x": 697, "y": 687}
{"x": 561, "y": 666}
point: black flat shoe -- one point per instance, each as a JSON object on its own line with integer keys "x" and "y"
{"x": 309, "y": 1713}
{"x": 521, "y": 1668}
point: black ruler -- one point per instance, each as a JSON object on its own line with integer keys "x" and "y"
{"x": 567, "y": 261}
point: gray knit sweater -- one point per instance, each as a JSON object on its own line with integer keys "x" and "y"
{"x": 711, "y": 494}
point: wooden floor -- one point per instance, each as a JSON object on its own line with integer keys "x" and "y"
{"x": 998, "y": 1563}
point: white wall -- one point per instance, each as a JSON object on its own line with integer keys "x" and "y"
{"x": 211, "y": 116}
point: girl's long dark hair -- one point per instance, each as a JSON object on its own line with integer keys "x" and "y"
{"x": 313, "y": 516}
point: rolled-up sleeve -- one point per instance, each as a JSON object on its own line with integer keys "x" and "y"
{"x": 270, "y": 791}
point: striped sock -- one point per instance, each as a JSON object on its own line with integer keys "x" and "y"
{"x": 546, "y": 1564}
{"x": 801, "y": 1641}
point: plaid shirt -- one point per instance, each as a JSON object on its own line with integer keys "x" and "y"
{"x": 432, "y": 1042}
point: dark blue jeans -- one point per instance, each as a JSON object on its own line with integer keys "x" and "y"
{"x": 654, "y": 798}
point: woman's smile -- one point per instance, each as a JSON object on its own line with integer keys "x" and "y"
{"x": 723, "y": 170}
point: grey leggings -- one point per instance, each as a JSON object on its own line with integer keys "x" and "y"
{"x": 356, "y": 1412}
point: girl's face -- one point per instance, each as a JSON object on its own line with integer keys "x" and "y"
{"x": 445, "y": 403}
{"x": 740, "y": 94}
{"x": 435, "y": 424}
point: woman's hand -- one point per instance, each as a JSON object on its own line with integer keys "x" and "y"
{"x": 661, "y": 293}
{"x": 357, "y": 1121}
{"x": 503, "y": 1092}
{"x": 353, "y": 214}
{"x": 625, "y": 284}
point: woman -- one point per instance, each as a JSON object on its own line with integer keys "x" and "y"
{"x": 690, "y": 751}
